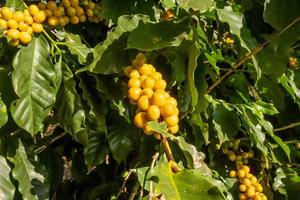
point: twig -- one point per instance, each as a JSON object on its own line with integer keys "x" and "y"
{"x": 154, "y": 159}
{"x": 134, "y": 191}
{"x": 292, "y": 125}
{"x": 249, "y": 55}
{"x": 169, "y": 154}
{"x": 43, "y": 147}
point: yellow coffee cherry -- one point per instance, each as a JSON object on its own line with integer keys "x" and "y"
{"x": 160, "y": 84}
{"x": 173, "y": 129}
{"x": 148, "y": 130}
{"x": 153, "y": 112}
{"x": 156, "y": 76}
{"x": 127, "y": 70}
{"x": 246, "y": 169}
{"x": 18, "y": 16}
{"x": 241, "y": 173}
{"x": 90, "y": 13}
{"x": 33, "y": 9}
{"x": 28, "y": 20}
{"x": 146, "y": 69}
{"x": 250, "y": 192}
{"x": 148, "y": 92}
{"x": 134, "y": 82}
{"x": 12, "y": 24}
{"x": 14, "y": 43}
{"x": 39, "y": 17}
{"x": 23, "y": 26}
{"x": 66, "y": 19}
{"x": 140, "y": 120}
{"x": 247, "y": 182}
{"x": 258, "y": 187}
{"x": 157, "y": 136}
{"x": 51, "y": 5}
{"x": 66, "y": 3}
{"x": 143, "y": 77}
{"x": 248, "y": 176}
{"x": 57, "y": 13}
{"x": 82, "y": 18}
{"x": 158, "y": 99}
{"x": 232, "y": 174}
{"x": 37, "y": 28}
{"x": 242, "y": 197}
{"x": 48, "y": 13}
{"x": 42, "y": 6}
{"x": 232, "y": 156}
{"x": 3, "y": 24}
{"x": 171, "y": 120}
{"x": 61, "y": 10}
{"x": 253, "y": 180}
{"x": 91, "y": 5}
{"x": 79, "y": 11}
{"x": 52, "y": 21}
{"x": 74, "y": 20}
{"x": 171, "y": 100}
{"x": 14, "y": 34}
{"x": 7, "y": 13}
{"x": 169, "y": 109}
{"x": 143, "y": 102}
{"x": 25, "y": 37}
{"x": 134, "y": 93}
{"x": 29, "y": 30}
{"x": 242, "y": 188}
{"x": 134, "y": 73}
{"x": 148, "y": 83}
{"x": 71, "y": 11}
{"x": 75, "y": 3}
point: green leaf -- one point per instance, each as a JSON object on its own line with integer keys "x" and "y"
{"x": 95, "y": 151}
{"x": 288, "y": 82}
{"x": 70, "y": 111}
{"x": 105, "y": 53}
{"x": 114, "y": 9}
{"x": 168, "y": 4}
{"x": 225, "y": 122}
{"x": 122, "y": 139}
{"x": 202, "y": 5}
{"x": 185, "y": 185}
{"x": 24, "y": 172}
{"x": 3, "y": 113}
{"x": 160, "y": 127}
{"x": 36, "y": 81}
{"x": 76, "y": 47}
{"x": 153, "y": 36}
{"x": 15, "y": 4}
{"x": 7, "y": 189}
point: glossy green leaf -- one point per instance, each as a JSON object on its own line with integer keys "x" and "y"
{"x": 160, "y": 127}
{"x": 3, "y": 113}
{"x": 202, "y": 5}
{"x": 15, "y": 4}
{"x": 36, "y": 81}
{"x": 7, "y": 189}
{"x": 288, "y": 82}
{"x": 95, "y": 151}
{"x": 153, "y": 36}
{"x": 76, "y": 47}
{"x": 25, "y": 173}
{"x": 185, "y": 185}
{"x": 105, "y": 53}
{"x": 70, "y": 111}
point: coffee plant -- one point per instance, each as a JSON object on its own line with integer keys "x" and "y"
{"x": 150, "y": 99}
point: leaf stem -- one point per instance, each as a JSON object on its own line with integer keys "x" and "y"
{"x": 169, "y": 154}
{"x": 43, "y": 147}
{"x": 292, "y": 125}
{"x": 151, "y": 193}
{"x": 249, "y": 55}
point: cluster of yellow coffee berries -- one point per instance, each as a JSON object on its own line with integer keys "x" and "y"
{"x": 147, "y": 91}
{"x": 234, "y": 153}
{"x": 250, "y": 188}
{"x": 20, "y": 25}
{"x": 69, "y": 11}
{"x": 293, "y": 64}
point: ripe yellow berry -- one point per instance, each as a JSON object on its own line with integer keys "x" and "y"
{"x": 153, "y": 112}
{"x": 48, "y": 13}
{"x": 169, "y": 109}
{"x": 39, "y": 17}
{"x": 156, "y": 76}
{"x": 23, "y": 26}
{"x": 91, "y": 5}
{"x": 42, "y": 6}
{"x": 232, "y": 156}
{"x": 71, "y": 11}
{"x": 66, "y": 3}
{"x": 250, "y": 192}
{"x": 52, "y": 21}
{"x": 253, "y": 180}
{"x": 12, "y": 24}
{"x": 28, "y": 20}
{"x": 18, "y": 16}
{"x": 160, "y": 84}
{"x": 246, "y": 182}
{"x": 3, "y": 24}
{"x": 171, "y": 120}
{"x": 90, "y": 13}
{"x": 14, "y": 43}
{"x": 241, "y": 173}
{"x": 37, "y": 28}
{"x": 245, "y": 155}
{"x": 242, "y": 196}
{"x": 14, "y": 34}
{"x": 246, "y": 169}
{"x": 140, "y": 120}
{"x": 143, "y": 102}
{"x": 82, "y": 18}
{"x": 232, "y": 174}
{"x": 29, "y": 30}
{"x": 75, "y": 3}
{"x": 157, "y": 136}
{"x": 127, "y": 70}
{"x": 134, "y": 73}
{"x": 148, "y": 92}
{"x": 242, "y": 188}
{"x": 158, "y": 99}
{"x": 148, "y": 130}
{"x": 25, "y": 37}
{"x": 74, "y": 20}
{"x": 148, "y": 83}
{"x": 173, "y": 129}
{"x": 172, "y": 100}
{"x": 33, "y": 9}
{"x": 258, "y": 187}
{"x": 79, "y": 11}
{"x": 51, "y": 5}
{"x": 146, "y": 69}
{"x": 57, "y": 13}
{"x": 134, "y": 93}
{"x": 7, "y": 13}
{"x": 134, "y": 82}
